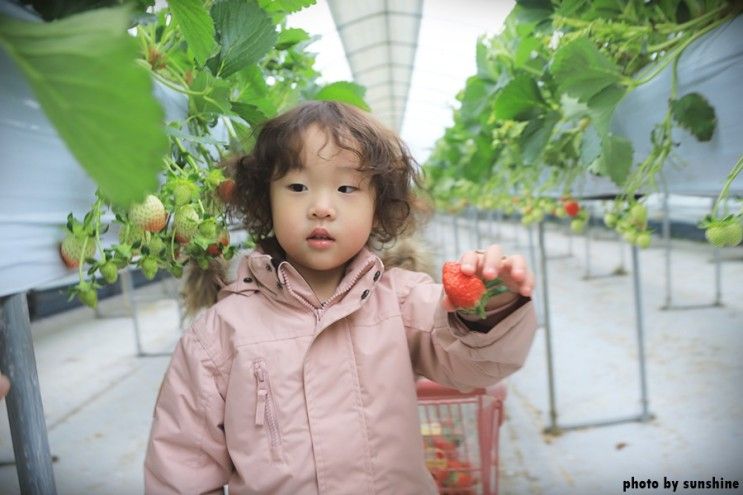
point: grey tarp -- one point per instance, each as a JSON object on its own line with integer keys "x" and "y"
{"x": 712, "y": 66}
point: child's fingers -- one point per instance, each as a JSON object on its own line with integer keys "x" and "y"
{"x": 485, "y": 263}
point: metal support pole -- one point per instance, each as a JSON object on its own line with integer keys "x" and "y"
{"x": 478, "y": 236}
{"x": 499, "y": 218}
{"x": 25, "y": 409}
{"x": 536, "y": 268}
{"x": 128, "y": 288}
{"x": 645, "y": 416}
{"x": 587, "y": 274}
{"x": 455, "y": 222}
{"x": 718, "y": 277}
{"x": 553, "y": 428}
{"x": 667, "y": 248}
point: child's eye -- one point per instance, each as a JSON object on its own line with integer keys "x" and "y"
{"x": 296, "y": 187}
{"x": 347, "y": 189}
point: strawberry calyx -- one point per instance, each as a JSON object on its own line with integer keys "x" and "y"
{"x": 492, "y": 288}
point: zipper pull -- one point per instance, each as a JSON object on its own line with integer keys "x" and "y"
{"x": 260, "y": 406}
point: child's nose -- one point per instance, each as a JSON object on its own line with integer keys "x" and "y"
{"x": 321, "y": 208}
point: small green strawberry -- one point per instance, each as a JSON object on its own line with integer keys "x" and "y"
{"x": 643, "y": 239}
{"x": 87, "y": 294}
{"x": 149, "y": 215}
{"x": 182, "y": 192}
{"x": 109, "y": 271}
{"x": 156, "y": 245}
{"x": 186, "y": 224}
{"x": 638, "y": 215}
{"x": 577, "y": 225}
{"x": 610, "y": 219}
{"x": 71, "y": 249}
{"x": 724, "y": 233}
{"x": 148, "y": 264}
{"x": 208, "y": 228}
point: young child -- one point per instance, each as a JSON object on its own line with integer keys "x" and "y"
{"x": 301, "y": 379}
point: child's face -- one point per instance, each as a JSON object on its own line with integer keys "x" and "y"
{"x": 323, "y": 213}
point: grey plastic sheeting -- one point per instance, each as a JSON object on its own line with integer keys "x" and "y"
{"x": 712, "y": 66}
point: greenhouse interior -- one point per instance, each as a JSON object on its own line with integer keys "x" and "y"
{"x": 325, "y": 246}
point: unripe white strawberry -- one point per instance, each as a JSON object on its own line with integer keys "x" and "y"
{"x": 72, "y": 248}
{"x": 149, "y": 215}
{"x": 186, "y": 224}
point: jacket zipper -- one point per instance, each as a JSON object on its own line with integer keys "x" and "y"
{"x": 265, "y": 410}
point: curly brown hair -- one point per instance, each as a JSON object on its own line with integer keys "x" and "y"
{"x": 394, "y": 173}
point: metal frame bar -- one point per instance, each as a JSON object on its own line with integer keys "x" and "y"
{"x": 644, "y": 415}
{"x": 28, "y": 431}
{"x": 340, "y": 27}
{"x": 668, "y": 304}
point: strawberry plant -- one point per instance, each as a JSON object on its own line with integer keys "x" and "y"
{"x": 165, "y": 188}
{"x": 534, "y": 121}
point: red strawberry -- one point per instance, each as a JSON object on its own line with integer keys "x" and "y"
{"x": 71, "y": 250}
{"x": 468, "y": 292}
{"x": 215, "y": 249}
{"x": 149, "y": 215}
{"x": 572, "y": 208}
{"x": 226, "y": 190}
{"x": 464, "y": 291}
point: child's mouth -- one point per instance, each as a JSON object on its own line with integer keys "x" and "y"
{"x": 320, "y": 238}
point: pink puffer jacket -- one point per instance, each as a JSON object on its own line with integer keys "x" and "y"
{"x": 271, "y": 392}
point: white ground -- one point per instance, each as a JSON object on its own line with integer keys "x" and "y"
{"x": 98, "y": 395}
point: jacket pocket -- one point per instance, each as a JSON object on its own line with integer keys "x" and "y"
{"x": 266, "y": 414}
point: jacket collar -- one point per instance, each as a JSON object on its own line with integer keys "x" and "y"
{"x": 279, "y": 280}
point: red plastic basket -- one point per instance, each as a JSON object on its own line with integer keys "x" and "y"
{"x": 460, "y": 436}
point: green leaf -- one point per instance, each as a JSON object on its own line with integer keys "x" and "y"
{"x": 82, "y": 70}
{"x": 346, "y": 92}
{"x": 519, "y": 100}
{"x": 196, "y": 25}
{"x": 290, "y": 37}
{"x": 245, "y": 32}
{"x": 250, "y": 113}
{"x": 475, "y": 100}
{"x": 590, "y": 145}
{"x": 616, "y": 158}
{"x": 603, "y": 104}
{"x": 284, "y": 6}
{"x": 694, "y": 113}
{"x": 582, "y": 71}
{"x": 211, "y": 95}
{"x": 487, "y": 68}
{"x": 536, "y": 135}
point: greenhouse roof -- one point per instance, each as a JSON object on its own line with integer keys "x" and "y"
{"x": 380, "y": 40}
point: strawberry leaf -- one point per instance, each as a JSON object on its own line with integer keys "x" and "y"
{"x": 290, "y": 37}
{"x": 196, "y": 25}
{"x": 346, "y": 92}
{"x": 616, "y": 158}
{"x": 82, "y": 71}
{"x": 245, "y": 32}
{"x": 582, "y": 71}
{"x": 520, "y": 100}
{"x": 694, "y": 113}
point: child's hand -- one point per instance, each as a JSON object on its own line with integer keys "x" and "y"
{"x": 490, "y": 264}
